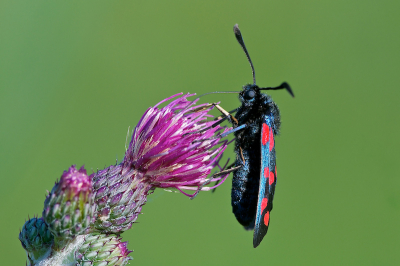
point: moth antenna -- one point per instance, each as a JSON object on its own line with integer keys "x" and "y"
{"x": 217, "y": 92}
{"x": 211, "y": 93}
{"x": 284, "y": 85}
{"x": 239, "y": 38}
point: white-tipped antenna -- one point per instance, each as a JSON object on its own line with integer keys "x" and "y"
{"x": 239, "y": 38}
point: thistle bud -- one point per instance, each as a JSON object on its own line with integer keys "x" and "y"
{"x": 35, "y": 238}
{"x": 69, "y": 207}
{"x": 101, "y": 249}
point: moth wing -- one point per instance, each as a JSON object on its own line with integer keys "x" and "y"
{"x": 267, "y": 181}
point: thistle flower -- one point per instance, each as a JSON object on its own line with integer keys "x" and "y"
{"x": 175, "y": 146}
{"x": 170, "y": 147}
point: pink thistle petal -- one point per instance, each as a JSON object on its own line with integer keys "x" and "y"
{"x": 75, "y": 182}
{"x": 175, "y": 145}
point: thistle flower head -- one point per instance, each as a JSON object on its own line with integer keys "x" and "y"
{"x": 176, "y": 145}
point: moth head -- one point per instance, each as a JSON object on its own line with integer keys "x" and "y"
{"x": 249, "y": 94}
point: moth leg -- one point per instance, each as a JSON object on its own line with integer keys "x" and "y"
{"x": 235, "y": 123}
{"x": 219, "y": 120}
{"x": 223, "y": 172}
{"x": 227, "y": 114}
{"x": 234, "y": 130}
{"x": 241, "y": 154}
{"x": 226, "y": 171}
{"x": 230, "y": 112}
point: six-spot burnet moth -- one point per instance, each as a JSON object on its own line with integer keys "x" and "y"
{"x": 255, "y": 124}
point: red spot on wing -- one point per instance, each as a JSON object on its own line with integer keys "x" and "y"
{"x": 265, "y": 133}
{"x": 271, "y": 178}
{"x": 266, "y": 172}
{"x": 275, "y": 171}
{"x": 264, "y": 204}
{"x": 266, "y": 218}
{"x": 271, "y": 142}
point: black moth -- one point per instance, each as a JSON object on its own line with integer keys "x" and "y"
{"x": 255, "y": 124}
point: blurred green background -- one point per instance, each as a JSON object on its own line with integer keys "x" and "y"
{"x": 75, "y": 74}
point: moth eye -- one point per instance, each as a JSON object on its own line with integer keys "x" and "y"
{"x": 250, "y": 94}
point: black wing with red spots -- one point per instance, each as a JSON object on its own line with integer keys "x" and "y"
{"x": 267, "y": 181}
